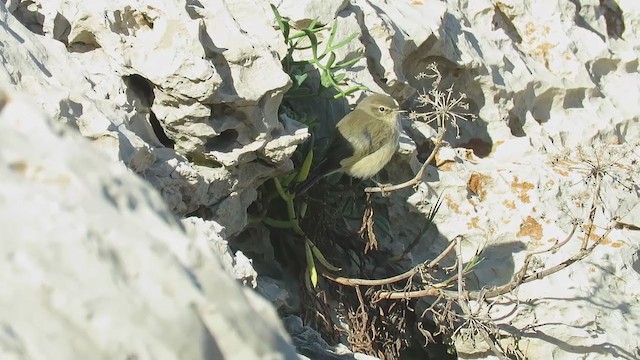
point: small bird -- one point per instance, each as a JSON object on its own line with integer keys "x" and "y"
{"x": 363, "y": 141}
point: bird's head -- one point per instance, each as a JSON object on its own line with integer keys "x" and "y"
{"x": 382, "y": 107}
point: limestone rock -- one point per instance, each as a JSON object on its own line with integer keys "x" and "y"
{"x": 235, "y": 264}
{"x": 549, "y": 81}
{"x": 302, "y": 13}
{"x": 392, "y": 32}
{"x": 187, "y": 96}
{"x": 96, "y": 266}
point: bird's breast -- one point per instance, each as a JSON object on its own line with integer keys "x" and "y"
{"x": 371, "y": 164}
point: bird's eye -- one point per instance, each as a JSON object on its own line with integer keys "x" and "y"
{"x": 382, "y": 109}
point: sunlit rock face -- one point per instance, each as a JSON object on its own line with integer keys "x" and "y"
{"x": 186, "y": 95}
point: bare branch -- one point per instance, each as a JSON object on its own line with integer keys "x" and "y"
{"x": 406, "y": 275}
{"x": 386, "y": 188}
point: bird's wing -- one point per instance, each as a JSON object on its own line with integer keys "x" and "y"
{"x": 339, "y": 149}
{"x": 342, "y": 153}
{"x": 364, "y": 140}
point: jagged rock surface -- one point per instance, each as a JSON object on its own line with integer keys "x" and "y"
{"x": 543, "y": 78}
{"x": 547, "y": 80}
{"x": 208, "y": 76}
{"x": 96, "y": 266}
{"x": 555, "y": 87}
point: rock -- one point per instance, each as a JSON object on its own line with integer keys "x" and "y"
{"x": 508, "y": 210}
{"x": 237, "y": 265}
{"x": 302, "y": 13}
{"x": 391, "y": 35}
{"x": 281, "y": 148}
{"x": 187, "y": 96}
{"x": 274, "y": 291}
{"x": 545, "y": 79}
{"x": 95, "y": 264}
{"x": 187, "y": 72}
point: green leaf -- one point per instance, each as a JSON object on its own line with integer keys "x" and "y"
{"x": 312, "y": 26}
{"x": 286, "y": 180}
{"x": 325, "y": 79}
{"x": 311, "y": 266}
{"x": 282, "y": 24}
{"x": 297, "y": 35}
{"x": 349, "y": 91}
{"x": 332, "y": 58}
{"x": 332, "y": 35}
{"x": 284, "y": 194}
{"x": 279, "y": 224}
{"x": 314, "y": 43}
{"x": 303, "y": 174}
{"x": 344, "y": 42}
{"x": 318, "y": 255}
{"x": 473, "y": 262}
{"x": 347, "y": 63}
{"x": 300, "y": 78}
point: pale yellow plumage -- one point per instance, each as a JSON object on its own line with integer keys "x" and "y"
{"x": 364, "y": 140}
{"x": 373, "y": 134}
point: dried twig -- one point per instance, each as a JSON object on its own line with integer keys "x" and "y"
{"x": 416, "y": 179}
{"x": 442, "y": 107}
{"x": 391, "y": 280}
{"x": 592, "y": 211}
{"x": 439, "y": 289}
{"x": 366, "y": 230}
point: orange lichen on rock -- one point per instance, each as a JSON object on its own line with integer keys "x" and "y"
{"x": 509, "y": 204}
{"x": 473, "y": 223}
{"x": 560, "y": 171}
{"x": 521, "y": 188}
{"x": 530, "y": 227}
{"x": 452, "y": 204}
{"x": 478, "y": 184}
{"x": 446, "y": 166}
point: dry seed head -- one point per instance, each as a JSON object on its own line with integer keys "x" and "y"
{"x": 445, "y": 107}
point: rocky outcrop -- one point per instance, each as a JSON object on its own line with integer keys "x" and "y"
{"x": 96, "y": 265}
{"x": 186, "y": 95}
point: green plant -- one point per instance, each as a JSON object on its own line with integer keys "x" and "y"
{"x": 294, "y": 214}
{"x": 331, "y": 75}
{"x": 278, "y": 207}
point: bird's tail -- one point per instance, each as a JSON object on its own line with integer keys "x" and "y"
{"x": 324, "y": 169}
{"x": 309, "y": 182}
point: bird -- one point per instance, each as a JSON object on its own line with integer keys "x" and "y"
{"x": 362, "y": 142}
